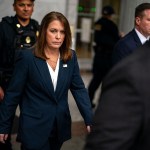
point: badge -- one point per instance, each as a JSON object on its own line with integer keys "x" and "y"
{"x": 28, "y": 39}
{"x": 64, "y": 65}
{"x": 18, "y": 25}
{"x": 98, "y": 27}
{"x": 37, "y": 33}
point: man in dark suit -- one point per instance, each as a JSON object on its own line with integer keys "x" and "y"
{"x": 122, "y": 119}
{"x": 137, "y": 36}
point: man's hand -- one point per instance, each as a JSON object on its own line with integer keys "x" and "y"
{"x": 3, "y": 138}
{"x": 1, "y": 94}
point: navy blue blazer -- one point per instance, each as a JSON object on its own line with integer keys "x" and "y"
{"x": 31, "y": 87}
{"x": 125, "y": 46}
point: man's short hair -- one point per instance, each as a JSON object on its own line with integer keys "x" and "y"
{"x": 140, "y": 8}
{"x": 17, "y": 0}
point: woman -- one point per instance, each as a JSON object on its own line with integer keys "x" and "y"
{"x": 40, "y": 85}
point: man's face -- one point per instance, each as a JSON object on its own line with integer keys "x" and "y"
{"x": 24, "y": 9}
{"x": 143, "y": 23}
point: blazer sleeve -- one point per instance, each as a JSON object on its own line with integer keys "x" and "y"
{"x": 13, "y": 94}
{"x": 80, "y": 93}
{"x": 118, "y": 118}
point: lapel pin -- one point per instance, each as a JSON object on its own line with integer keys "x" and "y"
{"x": 64, "y": 65}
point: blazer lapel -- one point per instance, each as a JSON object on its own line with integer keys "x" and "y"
{"x": 62, "y": 77}
{"x": 136, "y": 38}
{"x": 45, "y": 74}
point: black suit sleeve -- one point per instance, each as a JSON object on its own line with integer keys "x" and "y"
{"x": 118, "y": 117}
{"x": 121, "y": 50}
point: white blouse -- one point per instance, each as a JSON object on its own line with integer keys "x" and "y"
{"x": 54, "y": 74}
{"x": 142, "y": 38}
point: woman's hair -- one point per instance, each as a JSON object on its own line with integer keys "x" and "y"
{"x": 65, "y": 52}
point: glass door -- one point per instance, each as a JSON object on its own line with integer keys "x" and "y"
{"x": 84, "y": 31}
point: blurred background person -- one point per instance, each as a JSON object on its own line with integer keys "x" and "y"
{"x": 106, "y": 35}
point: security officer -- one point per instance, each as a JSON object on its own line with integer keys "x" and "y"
{"x": 16, "y": 33}
{"x": 106, "y": 34}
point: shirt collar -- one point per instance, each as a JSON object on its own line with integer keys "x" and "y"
{"x": 142, "y": 38}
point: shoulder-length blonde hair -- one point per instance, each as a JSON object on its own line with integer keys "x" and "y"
{"x": 65, "y": 52}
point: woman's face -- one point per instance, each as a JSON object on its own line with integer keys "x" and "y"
{"x": 55, "y": 34}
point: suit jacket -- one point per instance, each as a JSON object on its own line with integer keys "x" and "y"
{"x": 122, "y": 119}
{"x": 125, "y": 46}
{"x": 31, "y": 87}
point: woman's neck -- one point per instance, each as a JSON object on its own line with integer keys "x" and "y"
{"x": 52, "y": 57}
{"x": 51, "y": 53}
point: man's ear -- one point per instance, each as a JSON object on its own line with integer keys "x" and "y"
{"x": 137, "y": 20}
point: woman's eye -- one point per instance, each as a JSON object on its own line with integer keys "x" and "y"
{"x": 53, "y": 31}
{"x": 62, "y": 32}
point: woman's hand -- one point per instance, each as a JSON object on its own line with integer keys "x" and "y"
{"x": 3, "y": 138}
{"x": 88, "y": 129}
{"x": 1, "y": 94}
